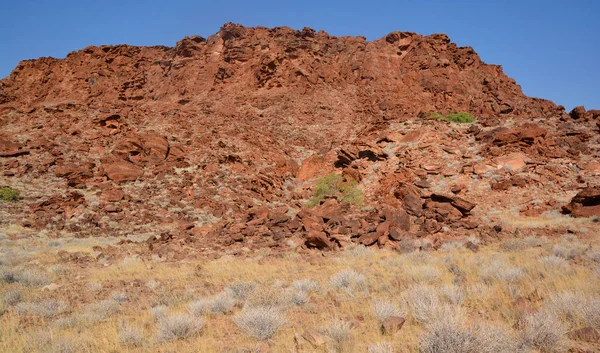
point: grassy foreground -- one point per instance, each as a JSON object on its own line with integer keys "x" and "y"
{"x": 522, "y": 295}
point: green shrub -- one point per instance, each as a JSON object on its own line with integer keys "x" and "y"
{"x": 334, "y": 185}
{"x": 460, "y": 117}
{"x": 8, "y": 194}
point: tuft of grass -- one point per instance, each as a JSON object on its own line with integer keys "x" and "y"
{"x": 545, "y": 332}
{"x": 159, "y": 311}
{"x": 260, "y": 322}
{"x": 384, "y": 309}
{"x": 12, "y": 298}
{"x": 459, "y": 118}
{"x": 348, "y": 281}
{"x": 47, "y": 308}
{"x": 101, "y": 311}
{"x": 380, "y": 347}
{"x": 220, "y": 304}
{"x": 449, "y": 334}
{"x": 178, "y": 326}
{"x": 334, "y": 185}
{"x": 340, "y": 333}
{"x": 130, "y": 336}
{"x": 8, "y": 194}
{"x": 422, "y": 302}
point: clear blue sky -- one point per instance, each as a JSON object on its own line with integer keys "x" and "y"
{"x": 551, "y": 47}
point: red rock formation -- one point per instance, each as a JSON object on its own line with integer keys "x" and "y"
{"x": 213, "y": 130}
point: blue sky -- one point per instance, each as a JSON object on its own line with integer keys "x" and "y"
{"x": 551, "y": 47}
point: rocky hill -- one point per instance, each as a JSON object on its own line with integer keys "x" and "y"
{"x": 217, "y": 144}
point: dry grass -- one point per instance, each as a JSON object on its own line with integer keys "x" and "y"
{"x": 453, "y": 300}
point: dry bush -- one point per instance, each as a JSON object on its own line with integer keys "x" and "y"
{"x": 545, "y": 332}
{"x": 340, "y": 333}
{"x": 384, "y": 309}
{"x": 498, "y": 270}
{"x": 358, "y": 251}
{"x": 494, "y": 339}
{"x": 422, "y": 302}
{"x": 241, "y": 290}
{"x": 453, "y": 294}
{"x": 66, "y": 322}
{"x": 221, "y": 303}
{"x": 349, "y": 281}
{"x": 260, "y": 322}
{"x": 552, "y": 263}
{"x": 306, "y": 285}
{"x": 101, "y": 311}
{"x": 448, "y": 334}
{"x": 569, "y": 249}
{"x": 47, "y": 308}
{"x": 380, "y": 347}
{"x": 178, "y": 326}
{"x": 119, "y": 296}
{"x": 130, "y": 336}
{"x": 32, "y": 277}
{"x": 12, "y": 297}
{"x": 159, "y": 311}
{"x": 427, "y": 274}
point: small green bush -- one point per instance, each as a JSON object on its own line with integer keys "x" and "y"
{"x": 334, "y": 185}
{"x": 8, "y": 194}
{"x": 460, "y": 117}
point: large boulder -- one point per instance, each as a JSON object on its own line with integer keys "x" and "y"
{"x": 585, "y": 204}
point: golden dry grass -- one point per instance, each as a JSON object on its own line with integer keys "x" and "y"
{"x": 498, "y": 285}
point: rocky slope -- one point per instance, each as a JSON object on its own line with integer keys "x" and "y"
{"x": 217, "y": 143}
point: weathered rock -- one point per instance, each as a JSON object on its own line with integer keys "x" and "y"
{"x": 318, "y": 240}
{"x": 585, "y": 204}
{"x": 392, "y": 324}
{"x": 120, "y": 170}
{"x": 577, "y": 113}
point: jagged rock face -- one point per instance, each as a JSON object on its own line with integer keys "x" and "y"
{"x": 207, "y": 131}
{"x": 398, "y": 76}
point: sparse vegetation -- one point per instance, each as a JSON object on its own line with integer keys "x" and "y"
{"x": 453, "y": 301}
{"x": 460, "y": 117}
{"x": 260, "y": 322}
{"x": 334, "y": 185}
{"x": 8, "y": 194}
{"x": 178, "y": 326}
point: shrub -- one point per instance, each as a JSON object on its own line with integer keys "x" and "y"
{"x": 102, "y": 310}
{"x": 47, "y": 308}
{"x": 340, "y": 333}
{"x": 12, "y": 298}
{"x": 8, "y": 194}
{"x": 460, "y": 117}
{"x": 381, "y": 347}
{"x": 260, "y": 322}
{"x": 348, "y": 281}
{"x": 334, "y": 185}
{"x": 449, "y": 334}
{"x": 422, "y": 302}
{"x": 545, "y": 332}
{"x": 241, "y": 290}
{"x": 159, "y": 311}
{"x": 129, "y": 336}
{"x": 453, "y": 294}
{"x": 384, "y": 309}
{"x": 66, "y": 322}
{"x": 178, "y": 326}
{"x": 306, "y": 285}
{"x": 493, "y": 339}
{"x": 120, "y": 297}
{"x": 554, "y": 263}
{"x": 222, "y": 303}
